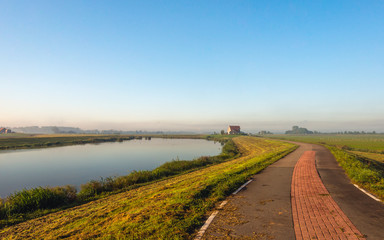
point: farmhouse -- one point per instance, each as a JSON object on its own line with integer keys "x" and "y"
{"x": 4, "y": 130}
{"x": 233, "y": 130}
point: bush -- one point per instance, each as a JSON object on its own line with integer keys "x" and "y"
{"x": 230, "y": 149}
{"x": 39, "y": 198}
{"x": 68, "y": 193}
{"x": 367, "y": 176}
{"x": 90, "y": 189}
{"x": 3, "y": 212}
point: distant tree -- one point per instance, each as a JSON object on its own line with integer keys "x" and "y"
{"x": 263, "y": 132}
{"x": 55, "y": 130}
{"x": 222, "y": 132}
{"x": 298, "y": 130}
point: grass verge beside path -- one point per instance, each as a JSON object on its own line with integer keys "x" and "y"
{"x": 366, "y": 173}
{"x": 365, "y": 169}
{"x": 170, "y": 209}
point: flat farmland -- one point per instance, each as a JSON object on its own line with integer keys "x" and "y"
{"x": 374, "y": 156}
{"x": 357, "y": 142}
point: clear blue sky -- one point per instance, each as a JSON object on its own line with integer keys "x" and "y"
{"x": 193, "y": 65}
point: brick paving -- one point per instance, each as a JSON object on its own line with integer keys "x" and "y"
{"x": 315, "y": 214}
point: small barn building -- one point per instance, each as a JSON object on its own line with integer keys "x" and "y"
{"x": 233, "y": 130}
{"x": 4, "y": 130}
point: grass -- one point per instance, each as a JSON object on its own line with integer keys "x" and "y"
{"x": 42, "y": 141}
{"x": 375, "y": 156}
{"x": 359, "y": 155}
{"x": 15, "y": 135}
{"x": 37, "y": 198}
{"x": 170, "y": 209}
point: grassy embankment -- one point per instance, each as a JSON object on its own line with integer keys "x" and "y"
{"x": 361, "y": 156}
{"x": 170, "y": 209}
{"x": 23, "y": 141}
{"x": 31, "y": 203}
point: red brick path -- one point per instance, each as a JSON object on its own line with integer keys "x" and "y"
{"x": 315, "y": 214}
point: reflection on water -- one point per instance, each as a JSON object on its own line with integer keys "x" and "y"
{"x": 81, "y": 163}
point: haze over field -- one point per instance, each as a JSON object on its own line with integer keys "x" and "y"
{"x": 193, "y": 65}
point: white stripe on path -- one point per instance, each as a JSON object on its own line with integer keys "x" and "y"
{"x": 370, "y": 195}
{"x": 213, "y": 215}
{"x": 242, "y": 186}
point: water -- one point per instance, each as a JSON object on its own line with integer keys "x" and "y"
{"x": 79, "y": 164}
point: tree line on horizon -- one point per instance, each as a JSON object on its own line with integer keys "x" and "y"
{"x": 301, "y": 130}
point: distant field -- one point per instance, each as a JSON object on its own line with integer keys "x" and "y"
{"x": 15, "y": 135}
{"x": 375, "y": 156}
{"x": 358, "y": 142}
{"x": 168, "y": 209}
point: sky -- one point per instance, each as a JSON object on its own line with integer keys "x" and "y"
{"x": 193, "y": 65}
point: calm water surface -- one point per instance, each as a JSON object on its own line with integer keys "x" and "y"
{"x": 79, "y": 164}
